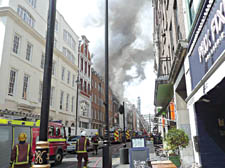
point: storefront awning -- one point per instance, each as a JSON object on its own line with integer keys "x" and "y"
{"x": 163, "y": 92}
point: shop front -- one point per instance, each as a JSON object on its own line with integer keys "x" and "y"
{"x": 206, "y": 93}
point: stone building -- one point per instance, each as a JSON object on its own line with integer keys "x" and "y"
{"x": 23, "y": 27}
{"x": 170, "y": 43}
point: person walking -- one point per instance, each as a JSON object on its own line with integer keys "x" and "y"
{"x": 21, "y": 155}
{"x": 82, "y": 145}
{"x": 95, "y": 140}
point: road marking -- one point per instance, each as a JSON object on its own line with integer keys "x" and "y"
{"x": 96, "y": 163}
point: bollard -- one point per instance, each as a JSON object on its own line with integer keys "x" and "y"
{"x": 124, "y": 156}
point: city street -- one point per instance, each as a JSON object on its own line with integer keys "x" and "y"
{"x": 95, "y": 161}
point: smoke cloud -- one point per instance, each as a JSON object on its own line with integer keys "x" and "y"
{"x": 129, "y": 46}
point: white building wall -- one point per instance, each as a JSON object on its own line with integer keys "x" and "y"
{"x": 11, "y": 23}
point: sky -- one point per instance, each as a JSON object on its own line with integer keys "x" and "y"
{"x": 131, "y": 57}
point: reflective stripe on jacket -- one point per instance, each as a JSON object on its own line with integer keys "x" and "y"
{"x": 82, "y": 144}
{"x": 18, "y": 153}
{"x": 21, "y": 154}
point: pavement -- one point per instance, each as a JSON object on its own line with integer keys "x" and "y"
{"x": 95, "y": 161}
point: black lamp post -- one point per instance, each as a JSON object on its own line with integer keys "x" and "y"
{"x": 78, "y": 83}
{"x": 107, "y": 159}
{"x": 42, "y": 147}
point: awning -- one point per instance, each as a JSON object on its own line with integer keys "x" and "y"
{"x": 163, "y": 92}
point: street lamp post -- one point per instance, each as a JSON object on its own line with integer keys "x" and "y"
{"x": 78, "y": 82}
{"x": 42, "y": 147}
{"x": 107, "y": 159}
{"x": 77, "y": 103}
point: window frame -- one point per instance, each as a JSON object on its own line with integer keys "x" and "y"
{"x": 14, "y": 82}
{"x": 29, "y": 57}
{"x": 25, "y": 93}
{"x": 61, "y": 100}
{"x": 17, "y": 46}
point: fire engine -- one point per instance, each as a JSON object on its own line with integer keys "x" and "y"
{"x": 10, "y": 129}
{"x": 116, "y": 136}
{"x": 128, "y": 135}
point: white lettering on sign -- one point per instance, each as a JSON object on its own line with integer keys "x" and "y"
{"x": 217, "y": 24}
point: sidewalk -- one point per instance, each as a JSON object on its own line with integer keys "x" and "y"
{"x": 156, "y": 161}
{"x": 155, "y": 164}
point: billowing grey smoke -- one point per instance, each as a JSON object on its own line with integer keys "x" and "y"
{"x": 124, "y": 50}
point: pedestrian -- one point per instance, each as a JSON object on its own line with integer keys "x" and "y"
{"x": 82, "y": 145}
{"x": 21, "y": 155}
{"x": 95, "y": 140}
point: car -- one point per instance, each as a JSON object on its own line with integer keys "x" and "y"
{"x": 71, "y": 144}
{"x": 72, "y": 141}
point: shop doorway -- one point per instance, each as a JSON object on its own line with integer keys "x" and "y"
{"x": 210, "y": 115}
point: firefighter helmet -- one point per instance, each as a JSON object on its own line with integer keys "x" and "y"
{"x": 96, "y": 133}
{"x": 22, "y": 136}
{"x": 83, "y": 133}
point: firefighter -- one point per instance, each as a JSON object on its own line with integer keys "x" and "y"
{"x": 95, "y": 140}
{"x": 82, "y": 145}
{"x": 21, "y": 155}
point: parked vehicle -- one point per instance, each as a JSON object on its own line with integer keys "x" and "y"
{"x": 72, "y": 141}
{"x": 10, "y": 129}
{"x": 71, "y": 144}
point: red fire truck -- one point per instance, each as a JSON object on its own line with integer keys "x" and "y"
{"x": 10, "y": 129}
{"x": 115, "y": 136}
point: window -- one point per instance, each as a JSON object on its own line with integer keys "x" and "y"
{"x": 53, "y": 68}
{"x": 81, "y": 64}
{"x": 56, "y": 26}
{"x": 33, "y": 3}
{"x": 67, "y": 101}
{"x": 68, "y": 77}
{"x": 85, "y": 67}
{"x": 193, "y": 6}
{"x": 67, "y": 37}
{"x": 85, "y": 86}
{"x": 55, "y": 43}
{"x": 50, "y": 131}
{"x": 94, "y": 113}
{"x": 61, "y": 100}
{"x": 42, "y": 60}
{"x": 40, "y": 92}
{"x": 29, "y": 51}
{"x": 63, "y": 72}
{"x": 52, "y": 96}
{"x": 12, "y": 81}
{"x": 26, "y": 16}
{"x": 25, "y": 86}
{"x": 73, "y": 82}
{"x": 89, "y": 89}
{"x": 69, "y": 55}
{"x": 89, "y": 70}
{"x": 57, "y": 131}
{"x": 72, "y": 104}
{"x": 81, "y": 83}
{"x": 16, "y": 43}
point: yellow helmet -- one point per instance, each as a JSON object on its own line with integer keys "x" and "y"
{"x": 22, "y": 136}
{"x": 96, "y": 133}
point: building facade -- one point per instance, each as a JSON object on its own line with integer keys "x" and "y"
{"x": 170, "y": 43}
{"x": 23, "y": 26}
{"x": 84, "y": 98}
{"x": 205, "y": 80}
{"x": 98, "y": 98}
